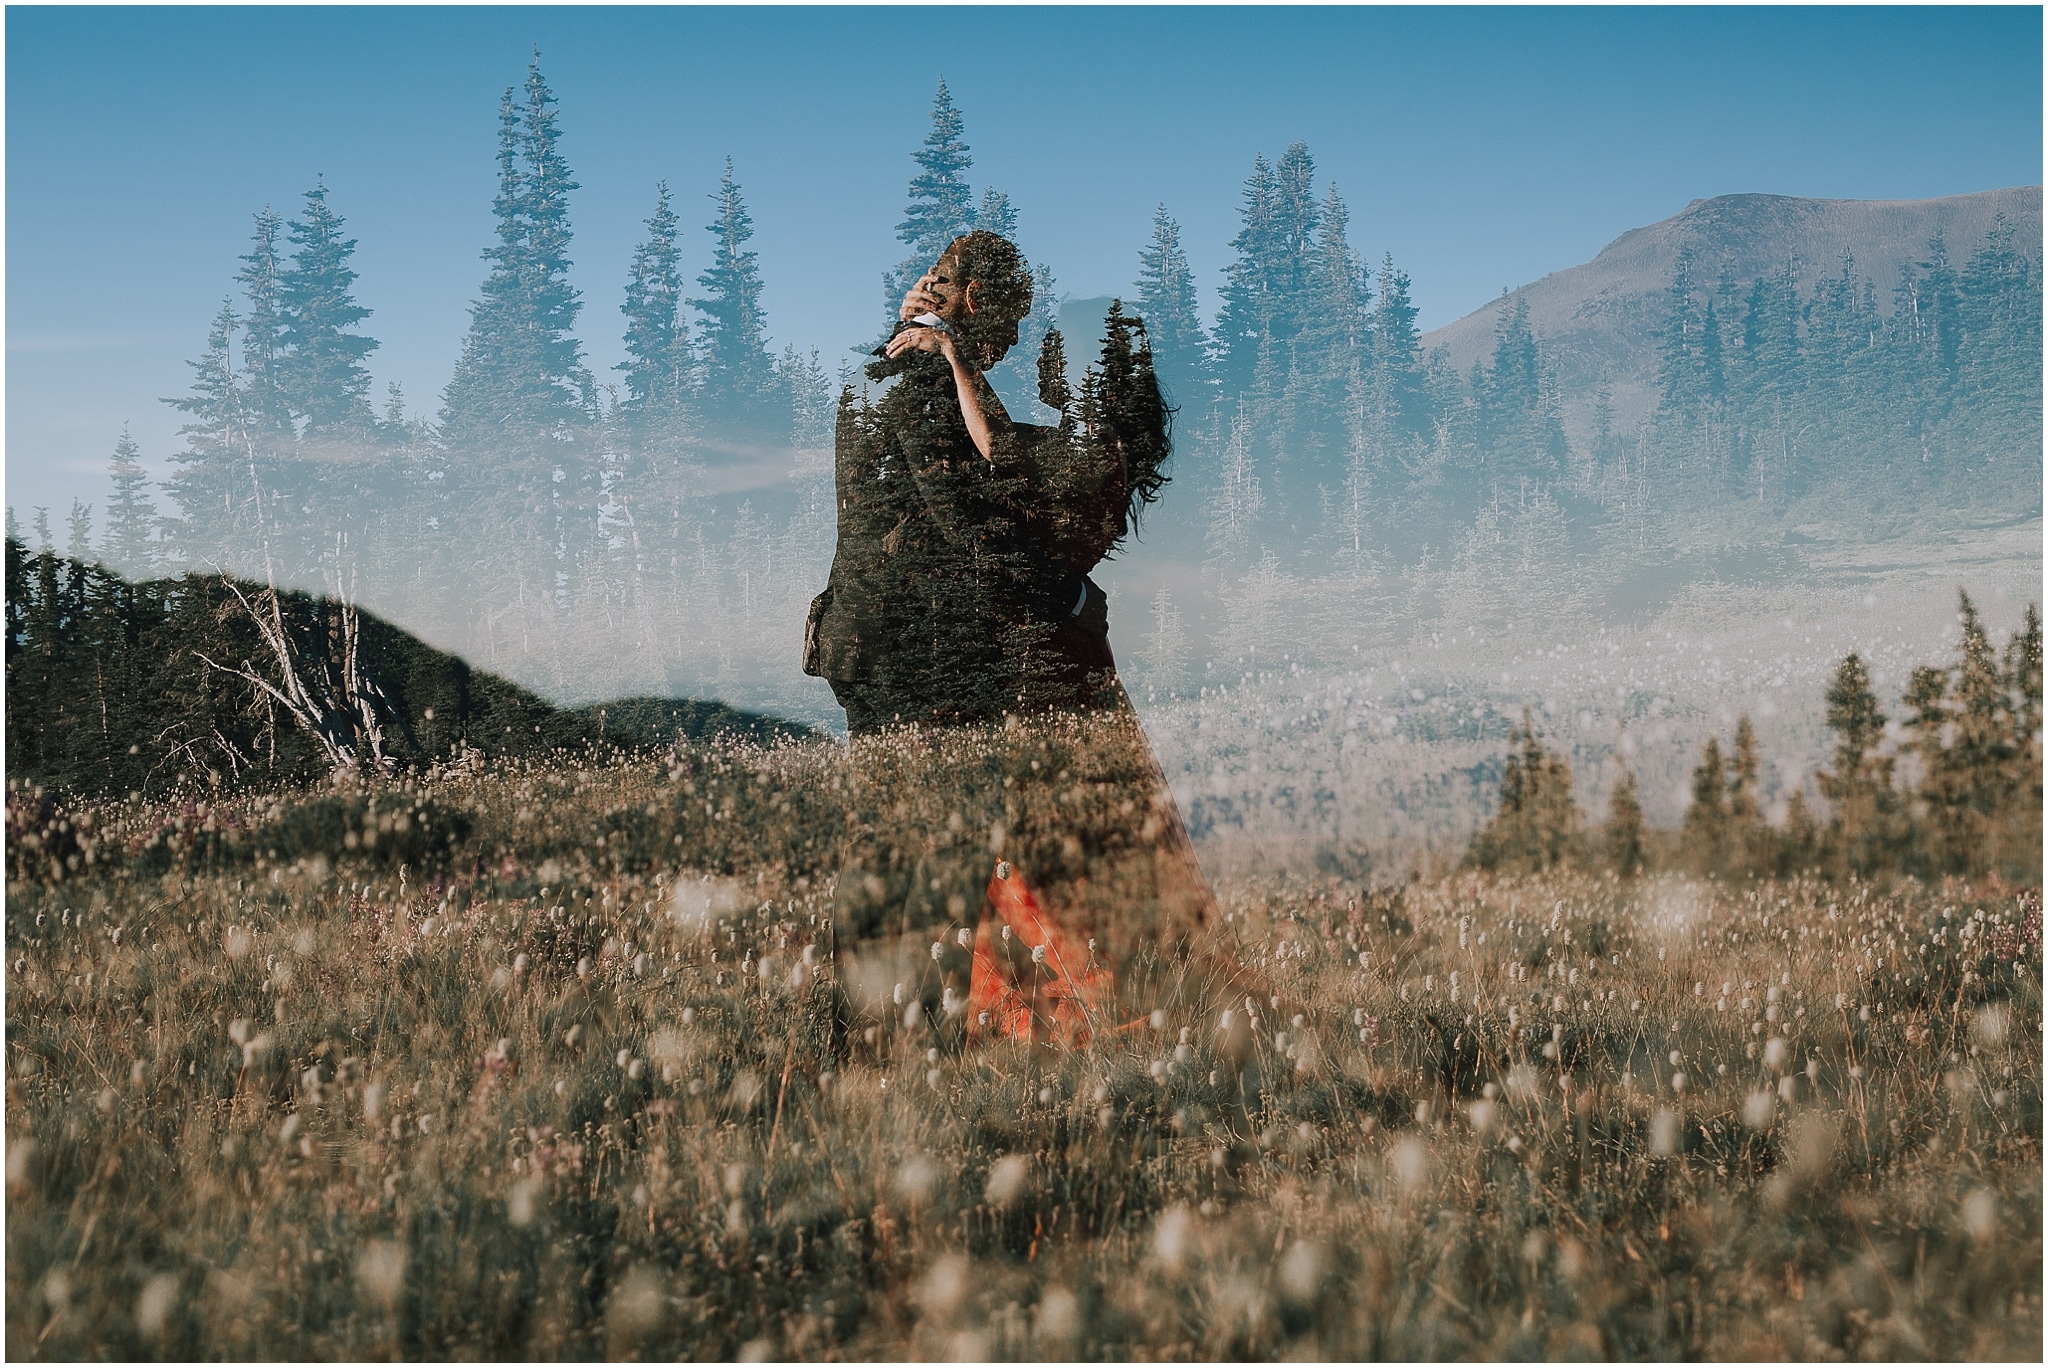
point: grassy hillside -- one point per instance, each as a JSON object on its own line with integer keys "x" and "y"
{"x": 114, "y": 687}
{"x": 592, "y": 1074}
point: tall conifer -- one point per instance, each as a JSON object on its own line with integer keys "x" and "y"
{"x": 658, "y": 360}
{"x": 941, "y": 204}
{"x": 1167, "y": 302}
{"x": 322, "y": 377}
{"x": 131, "y": 544}
{"x": 263, "y": 327}
{"x": 740, "y": 394}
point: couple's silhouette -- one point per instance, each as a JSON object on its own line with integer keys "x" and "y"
{"x": 961, "y": 634}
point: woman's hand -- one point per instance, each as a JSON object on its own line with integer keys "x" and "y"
{"x": 920, "y": 300}
{"x": 920, "y": 338}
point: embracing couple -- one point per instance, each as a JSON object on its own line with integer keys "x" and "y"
{"x": 959, "y": 589}
{"x": 1007, "y": 808}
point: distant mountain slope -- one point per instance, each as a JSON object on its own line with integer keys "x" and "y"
{"x": 119, "y": 687}
{"x": 1600, "y": 321}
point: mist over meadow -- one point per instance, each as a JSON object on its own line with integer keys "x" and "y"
{"x": 1639, "y": 498}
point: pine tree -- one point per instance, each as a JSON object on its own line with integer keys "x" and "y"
{"x": 1940, "y": 304}
{"x": 2020, "y": 853}
{"x": 1397, "y": 349}
{"x": 78, "y": 541}
{"x": 265, "y": 403}
{"x": 210, "y": 488}
{"x": 1621, "y": 839}
{"x": 1167, "y": 302}
{"x": 1335, "y": 328}
{"x": 1862, "y": 831}
{"x": 321, "y": 377}
{"x": 996, "y": 215}
{"x": 520, "y": 376}
{"x": 1963, "y": 732}
{"x": 46, "y": 542}
{"x": 1681, "y": 372}
{"x": 1520, "y": 429}
{"x": 1748, "y": 837}
{"x": 659, "y": 360}
{"x": 1243, "y": 325}
{"x": 941, "y": 204}
{"x": 1707, "y": 820}
{"x": 1538, "y": 825}
{"x": 131, "y": 546}
{"x": 1297, "y": 219}
{"x": 740, "y": 396}
{"x": 1166, "y": 644}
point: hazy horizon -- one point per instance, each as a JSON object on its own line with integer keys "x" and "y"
{"x": 122, "y": 241}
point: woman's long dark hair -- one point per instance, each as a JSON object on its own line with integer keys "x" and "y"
{"x": 1121, "y": 403}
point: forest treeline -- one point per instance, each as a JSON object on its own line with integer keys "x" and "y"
{"x": 566, "y": 526}
{"x": 117, "y": 688}
{"x": 1951, "y": 788}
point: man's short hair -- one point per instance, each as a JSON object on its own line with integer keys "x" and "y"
{"x": 1002, "y": 298}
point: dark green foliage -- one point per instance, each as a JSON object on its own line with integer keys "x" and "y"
{"x": 659, "y": 364}
{"x": 117, "y": 687}
{"x": 941, "y": 204}
{"x": 521, "y": 372}
{"x": 739, "y": 393}
{"x": 1621, "y": 839}
{"x": 320, "y": 374}
{"x": 1865, "y": 823}
{"x": 265, "y": 403}
{"x": 1538, "y": 825}
{"x": 1972, "y": 733}
{"x": 131, "y": 543}
{"x": 1724, "y": 831}
{"x": 1166, "y": 299}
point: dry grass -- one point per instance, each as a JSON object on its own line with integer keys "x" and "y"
{"x": 544, "y": 1070}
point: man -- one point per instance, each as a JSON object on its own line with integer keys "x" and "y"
{"x": 941, "y": 601}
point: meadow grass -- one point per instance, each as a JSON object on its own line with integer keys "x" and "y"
{"x": 567, "y": 1060}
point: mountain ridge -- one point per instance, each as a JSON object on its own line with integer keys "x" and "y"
{"x": 1599, "y": 319}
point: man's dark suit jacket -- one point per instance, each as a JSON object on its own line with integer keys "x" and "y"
{"x": 948, "y": 599}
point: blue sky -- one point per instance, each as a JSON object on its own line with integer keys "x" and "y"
{"x": 1483, "y": 148}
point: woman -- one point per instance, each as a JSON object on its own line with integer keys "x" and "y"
{"x": 959, "y": 595}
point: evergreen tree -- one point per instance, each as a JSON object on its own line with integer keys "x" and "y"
{"x": 1243, "y": 325}
{"x": 521, "y": 375}
{"x": 1166, "y": 301}
{"x": 997, "y": 215}
{"x": 1707, "y": 821}
{"x": 265, "y": 403}
{"x": 1748, "y": 837}
{"x": 212, "y": 484}
{"x": 1297, "y": 219}
{"x": 1335, "y": 329}
{"x": 1520, "y": 432}
{"x": 78, "y": 542}
{"x": 2020, "y": 850}
{"x": 1862, "y": 831}
{"x": 1621, "y": 839}
{"x": 1962, "y": 733}
{"x": 131, "y": 545}
{"x": 1681, "y": 368}
{"x": 739, "y": 396}
{"x": 1537, "y": 825}
{"x": 941, "y": 204}
{"x": 1397, "y": 349}
{"x": 46, "y": 543}
{"x": 659, "y": 361}
{"x": 1939, "y": 306}
{"x": 322, "y": 377}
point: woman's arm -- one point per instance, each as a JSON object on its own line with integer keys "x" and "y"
{"x": 942, "y": 341}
